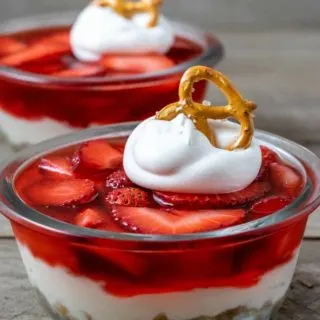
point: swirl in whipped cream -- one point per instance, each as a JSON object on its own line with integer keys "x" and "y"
{"x": 175, "y": 156}
{"x": 100, "y": 30}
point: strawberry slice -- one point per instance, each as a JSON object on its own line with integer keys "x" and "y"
{"x": 35, "y": 53}
{"x": 129, "y": 197}
{"x": 52, "y": 192}
{"x": 119, "y": 147}
{"x": 136, "y": 64}
{"x": 253, "y": 192}
{"x": 117, "y": 180}
{"x": 273, "y": 249}
{"x": 9, "y": 45}
{"x": 267, "y": 206}
{"x": 78, "y": 69}
{"x": 128, "y": 262}
{"x": 287, "y": 241}
{"x": 183, "y": 50}
{"x": 285, "y": 179}
{"x": 156, "y": 221}
{"x": 96, "y": 218}
{"x": 132, "y": 263}
{"x": 56, "y": 167}
{"x": 90, "y": 218}
{"x": 268, "y": 157}
{"x": 47, "y": 68}
{"x": 97, "y": 155}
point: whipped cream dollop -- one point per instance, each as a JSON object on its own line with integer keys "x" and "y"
{"x": 100, "y": 30}
{"x": 175, "y": 156}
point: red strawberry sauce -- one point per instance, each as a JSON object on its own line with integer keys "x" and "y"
{"x": 128, "y": 268}
{"x": 47, "y": 51}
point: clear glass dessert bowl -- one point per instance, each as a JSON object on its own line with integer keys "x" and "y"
{"x": 39, "y": 101}
{"x": 236, "y": 273}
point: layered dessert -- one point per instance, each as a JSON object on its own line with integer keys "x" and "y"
{"x": 102, "y": 69}
{"x": 167, "y": 224}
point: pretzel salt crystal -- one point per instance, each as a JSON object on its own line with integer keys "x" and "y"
{"x": 128, "y": 9}
{"x": 237, "y": 107}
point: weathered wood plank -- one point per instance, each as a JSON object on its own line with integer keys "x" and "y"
{"x": 278, "y": 70}
{"x": 244, "y": 14}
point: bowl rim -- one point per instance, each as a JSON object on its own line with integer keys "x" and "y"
{"x": 213, "y": 52}
{"x": 15, "y": 209}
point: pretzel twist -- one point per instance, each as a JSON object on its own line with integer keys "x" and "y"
{"x": 237, "y": 107}
{"x": 128, "y": 9}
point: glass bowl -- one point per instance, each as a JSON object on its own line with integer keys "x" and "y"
{"x": 237, "y": 273}
{"x": 36, "y": 107}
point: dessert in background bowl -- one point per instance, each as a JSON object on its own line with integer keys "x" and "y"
{"x": 179, "y": 217}
{"x": 109, "y": 64}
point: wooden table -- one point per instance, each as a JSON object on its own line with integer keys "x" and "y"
{"x": 280, "y": 71}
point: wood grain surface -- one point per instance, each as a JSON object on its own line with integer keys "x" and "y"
{"x": 218, "y": 14}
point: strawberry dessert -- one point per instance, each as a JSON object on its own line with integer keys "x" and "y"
{"x": 98, "y": 68}
{"x": 177, "y": 218}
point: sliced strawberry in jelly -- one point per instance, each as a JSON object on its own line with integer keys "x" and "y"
{"x": 117, "y": 180}
{"x": 285, "y": 179}
{"x": 267, "y": 206}
{"x": 128, "y": 262}
{"x": 97, "y": 155}
{"x": 90, "y": 218}
{"x": 268, "y": 157}
{"x": 130, "y": 197}
{"x": 287, "y": 241}
{"x": 44, "y": 68}
{"x": 156, "y": 221}
{"x": 52, "y": 192}
{"x": 181, "y": 44}
{"x": 253, "y": 192}
{"x": 78, "y": 69}
{"x": 81, "y": 70}
{"x": 212, "y": 263}
{"x": 272, "y": 248}
{"x": 119, "y": 147}
{"x": 56, "y": 167}
{"x": 136, "y": 64}
{"x": 97, "y": 218}
{"x": 183, "y": 50}
{"x": 9, "y": 45}
{"x": 35, "y": 53}
{"x": 132, "y": 263}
